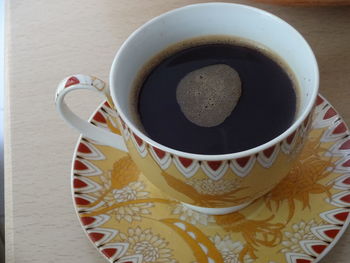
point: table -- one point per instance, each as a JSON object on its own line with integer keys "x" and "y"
{"x": 48, "y": 40}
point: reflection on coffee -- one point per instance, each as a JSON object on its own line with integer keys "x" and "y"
{"x": 261, "y": 105}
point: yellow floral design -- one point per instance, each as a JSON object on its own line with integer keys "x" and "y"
{"x": 187, "y": 214}
{"x": 120, "y": 186}
{"x": 205, "y": 200}
{"x": 255, "y": 232}
{"x": 153, "y": 248}
{"x": 303, "y": 179}
{"x": 201, "y": 246}
{"x": 150, "y": 227}
{"x": 300, "y": 231}
{"x": 124, "y": 171}
{"x": 211, "y": 187}
{"x": 230, "y": 250}
{"x": 131, "y": 212}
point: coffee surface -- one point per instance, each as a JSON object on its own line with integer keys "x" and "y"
{"x": 265, "y": 109}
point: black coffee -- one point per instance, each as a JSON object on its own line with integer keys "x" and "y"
{"x": 266, "y": 108}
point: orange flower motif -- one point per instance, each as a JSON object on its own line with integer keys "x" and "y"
{"x": 313, "y": 147}
{"x": 304, "y": 179}
{"x": 255, "y": 232}
{"x": 124, "y": 172}
{"x": 205, "y": 200}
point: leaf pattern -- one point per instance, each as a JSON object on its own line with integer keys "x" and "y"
{"x": 200, "y": 244}
{"x": 152, "y": 227}
{"x": 205, "y": 200}
{"x": 254, "y": 232}
{"x": 304, "y": 179}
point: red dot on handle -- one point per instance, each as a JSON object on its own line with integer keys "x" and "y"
{"x": 71, "y": 81}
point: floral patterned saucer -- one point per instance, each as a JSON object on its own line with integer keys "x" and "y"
{"x": 130, "y": 221}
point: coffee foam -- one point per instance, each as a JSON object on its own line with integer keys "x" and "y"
{"x": 207, "y": 96}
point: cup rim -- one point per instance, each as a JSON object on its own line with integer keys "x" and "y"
{"x": 227, "y": 156}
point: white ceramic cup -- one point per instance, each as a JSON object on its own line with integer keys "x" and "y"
{"x": 258, "y": 169}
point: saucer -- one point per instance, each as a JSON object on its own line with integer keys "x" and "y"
{"x": 130, "y": 221}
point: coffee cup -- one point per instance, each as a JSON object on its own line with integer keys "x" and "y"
{"x": 212, "y": 184}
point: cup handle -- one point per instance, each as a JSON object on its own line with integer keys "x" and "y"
{"x": 84, "y": 82}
